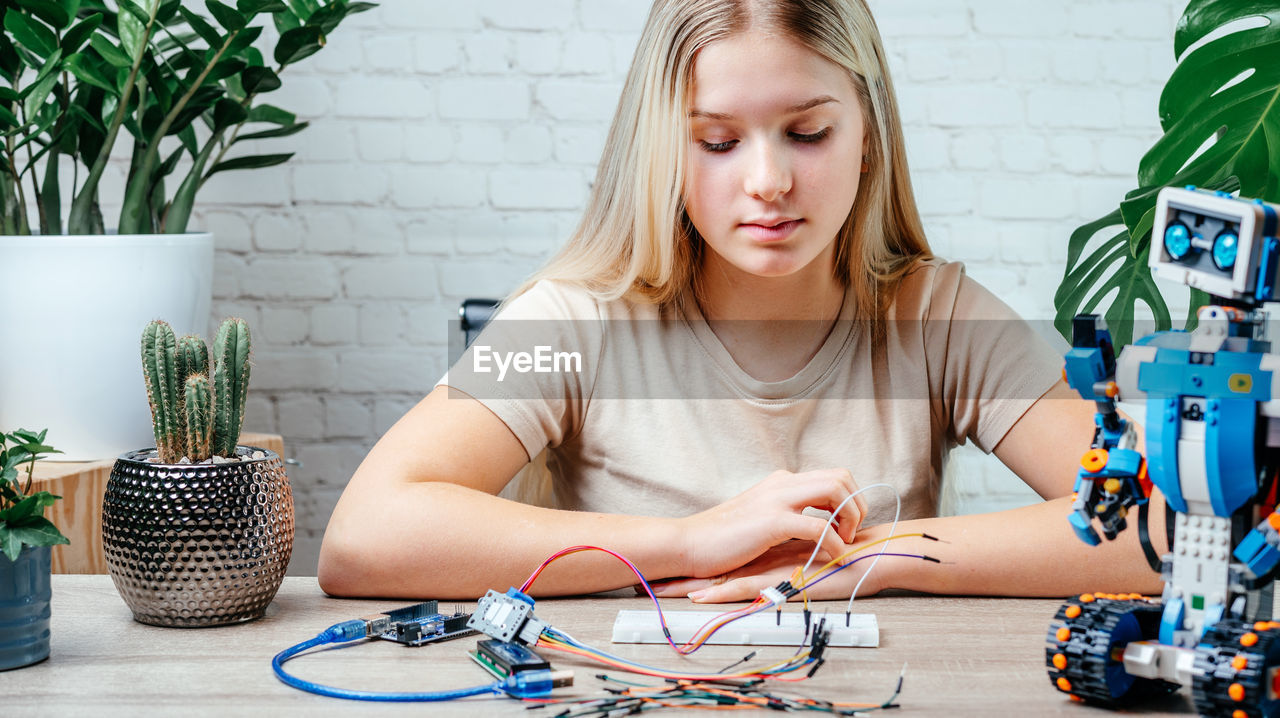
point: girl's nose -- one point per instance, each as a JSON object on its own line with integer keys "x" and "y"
{"x": 768, "y": 176}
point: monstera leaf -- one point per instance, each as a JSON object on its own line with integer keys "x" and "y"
{"x": 1220, "y": 111}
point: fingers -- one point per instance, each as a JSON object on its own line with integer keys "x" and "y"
{"x": 850, "y": 517}
{"x": 678, "y": 587}
{"x": 810, "y": 528}
{"x": 827, "y": 489}
{"x": 737, "y": 589}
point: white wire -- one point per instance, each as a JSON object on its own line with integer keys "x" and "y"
{"x": 831, "y": 522}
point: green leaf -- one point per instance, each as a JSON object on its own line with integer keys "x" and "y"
{"x": 109, "y": 52}
{"x": 31, "y": 34}
{"x": 38, "y": 533}
{"x": 302, "y": 8}
{"x": 228, "y": 112}
{"x": 90, "y": 73}
{"x": 254, "y": 7}
{"x": 286, "y": 21}
{"x": 50, "y": 12}
{"x": 243, "y": 40}
{"x": 187, "y": 135}
{"x": 227, "y": 16}
{"x": 166, "y": 168}
{"x": 269, "y": 134}
{"x": 10, "y": 61}
{"x": 329, "y": 17}
{"x": 298, "y": 43}
{"x": 206, "y": 31}
{"x": 75, "y": 38}
{"x": 167, "y": 10}
{"x": 226, "y": 68}
{"x": 131, "y": 25}
{"x": 9, "y": 543}
{"x": 259, "y": 80}
{"x": 272, "y": 114}
{"x": 38, "y": 92}
{"x": 24, "y": 509}
{"x": 1223, "y": 96}
{"x": 250, "y": 162}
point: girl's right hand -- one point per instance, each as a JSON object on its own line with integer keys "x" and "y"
{"x": 739, "y": 530}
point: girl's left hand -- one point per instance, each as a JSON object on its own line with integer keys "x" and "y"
{"x": 776, "y": 565}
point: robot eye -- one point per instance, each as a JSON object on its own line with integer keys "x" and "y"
{"x": 1177, "y": 241}
{"x": 1224, "y": 250}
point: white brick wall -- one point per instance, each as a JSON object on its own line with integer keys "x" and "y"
{"x": 452, "y": 144}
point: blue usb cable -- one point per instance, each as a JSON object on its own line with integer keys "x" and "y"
{"x": 526, "y": 684}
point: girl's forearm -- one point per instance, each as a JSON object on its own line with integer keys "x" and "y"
{"x": 440, "y": 540}
{"x": 1030, "y": 551}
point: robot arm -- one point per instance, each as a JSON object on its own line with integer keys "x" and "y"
{"x": 1110, "y": 482}
{"x": 1260, "y": 549}
{"x": 1113, "y": 476}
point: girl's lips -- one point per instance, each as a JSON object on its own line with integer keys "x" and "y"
{"x": 777, "y": 232}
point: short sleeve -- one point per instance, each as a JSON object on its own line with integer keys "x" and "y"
{"x": 535, "y": 363}
{"x": 987, "y": 363}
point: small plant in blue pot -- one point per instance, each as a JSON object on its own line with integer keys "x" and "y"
{"x": 26, "y": 538}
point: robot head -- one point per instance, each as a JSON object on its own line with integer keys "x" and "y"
{"x": 1217, "y": 243}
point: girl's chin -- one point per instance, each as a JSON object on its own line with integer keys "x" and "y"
{"x": 773, "y": 261}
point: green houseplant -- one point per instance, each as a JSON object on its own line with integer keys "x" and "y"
{"x": 1220, "y": 112}
{"x": 180, "y": 91}
{"x": 74, "y": 73}
{"x": 26, "y": 538}
{"x": 197, "y": 531}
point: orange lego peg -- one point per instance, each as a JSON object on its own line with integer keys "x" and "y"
{"x": 1094, "y": 460}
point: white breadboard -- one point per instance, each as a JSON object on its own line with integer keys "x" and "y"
{"x": 760, "y": 629}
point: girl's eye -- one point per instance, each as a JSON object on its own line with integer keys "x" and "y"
{"x": 811, "y": 138}
{"x": 717, "y": 146}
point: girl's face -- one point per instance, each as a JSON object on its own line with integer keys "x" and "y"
{"x": 777, "y": 145}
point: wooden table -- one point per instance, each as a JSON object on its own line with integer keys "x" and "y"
{"x": 81, "y": 484}
{"x": 965, "y": 656}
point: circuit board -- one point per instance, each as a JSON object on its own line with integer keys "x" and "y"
{"x": 423, "y": 623}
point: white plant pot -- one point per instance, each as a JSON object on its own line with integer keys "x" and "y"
{"x": 73, "y": 313}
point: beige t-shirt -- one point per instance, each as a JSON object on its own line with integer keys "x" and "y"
{"x": 654, "y": 417}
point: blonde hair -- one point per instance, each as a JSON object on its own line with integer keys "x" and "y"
{"x": 636, "y": 241}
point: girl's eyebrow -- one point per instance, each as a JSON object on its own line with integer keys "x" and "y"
{"x": 806, "y": 105}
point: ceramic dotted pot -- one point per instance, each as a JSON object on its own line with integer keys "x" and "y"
{"x": 194, "y": 545}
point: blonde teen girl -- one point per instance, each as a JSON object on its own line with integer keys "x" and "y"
{"x": 762, "y": 329}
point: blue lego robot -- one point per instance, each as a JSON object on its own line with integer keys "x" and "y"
{"x": 1212, "y": 441}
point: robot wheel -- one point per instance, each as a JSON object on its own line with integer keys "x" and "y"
{"x": 1237, "y": 671}
{"x": 1085, "y": 649}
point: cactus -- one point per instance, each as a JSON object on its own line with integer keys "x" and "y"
{"x": 159, "y": 367}
{"x": 198, "y": 410}
{"x": 191, "y": 415}
{"x": 230, "y": 384}
{"x": 193, "y": 356}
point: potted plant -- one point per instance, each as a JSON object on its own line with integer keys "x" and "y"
{"x": 197, "y": 530}
{"x": 26, "y": 538}
{"x": 1219, "y": 110}
{"x": 185, "y": 91}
